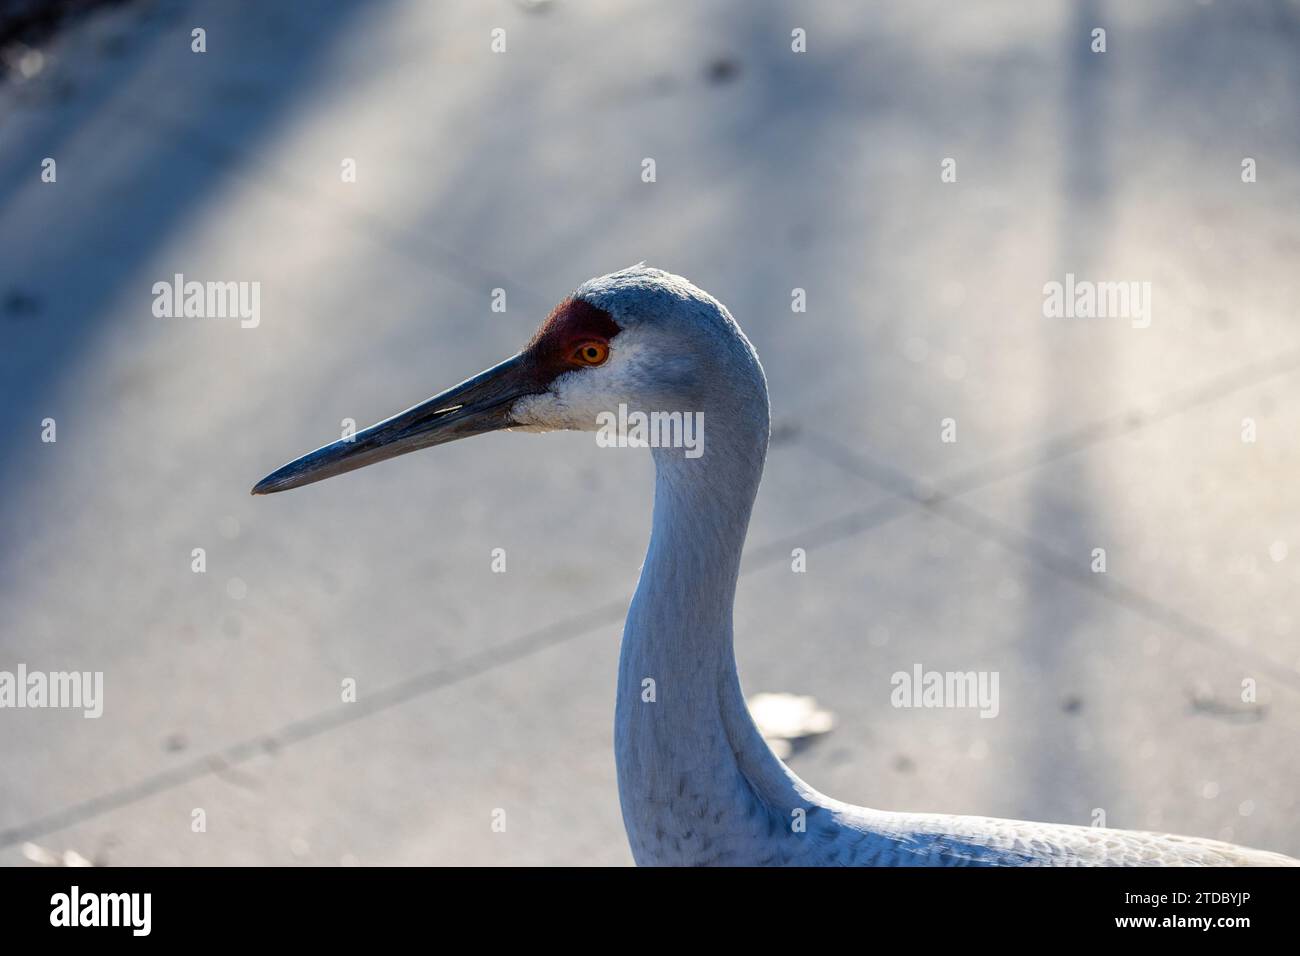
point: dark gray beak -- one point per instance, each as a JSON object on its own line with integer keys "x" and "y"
{"x": 478, "y": 405}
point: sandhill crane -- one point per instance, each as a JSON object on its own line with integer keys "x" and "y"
{"x": 697, "y": 783}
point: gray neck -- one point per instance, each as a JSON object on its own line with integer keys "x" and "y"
{"x": 691, "y": 764}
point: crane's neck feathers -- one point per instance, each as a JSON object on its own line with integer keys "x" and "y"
{"x": 689, "y": 756}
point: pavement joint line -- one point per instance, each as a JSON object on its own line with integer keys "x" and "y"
{"x": 475, "y": 664}
{"x": 1061, "y": 446}
{"x": 945, "y": 505}
{"x": 1112, "y": 590}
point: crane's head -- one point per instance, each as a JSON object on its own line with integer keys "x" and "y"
{"x": 641, "y": 338}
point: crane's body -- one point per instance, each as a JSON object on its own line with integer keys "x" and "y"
{"x": 697, "y": 783}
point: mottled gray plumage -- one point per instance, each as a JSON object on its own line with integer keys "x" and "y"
{"x": 698, "y": 784}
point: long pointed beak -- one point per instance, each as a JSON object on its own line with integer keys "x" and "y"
{"x": 478, "y": 405}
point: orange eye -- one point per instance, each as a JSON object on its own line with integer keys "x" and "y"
{"x": 591, "y": 353}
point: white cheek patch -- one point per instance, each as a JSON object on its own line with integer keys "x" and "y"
{"x": 572, "y": 403}
{"x": 538, "y": 413}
